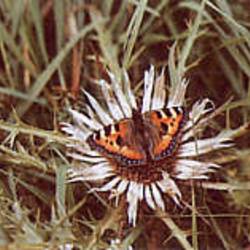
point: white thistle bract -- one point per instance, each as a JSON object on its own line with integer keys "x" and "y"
{"x": 120, "y": 101}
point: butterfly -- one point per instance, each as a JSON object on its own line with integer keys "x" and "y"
{"x": 144, "y": 138}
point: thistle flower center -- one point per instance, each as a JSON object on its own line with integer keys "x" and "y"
{"x": 147, "y": 173}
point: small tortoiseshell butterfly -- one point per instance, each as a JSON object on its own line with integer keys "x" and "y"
{"x": 145, "y": 138}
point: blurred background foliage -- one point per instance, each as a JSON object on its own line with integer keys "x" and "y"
{"x": 51, "y": 49}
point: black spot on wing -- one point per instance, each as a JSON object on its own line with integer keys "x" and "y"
{"x": 164, "y": 127}
{"x": 178, "y": 110}
{"x": 158, "y": 114}
{"x": 107, "y": 130}
{"x": 119, "y": 141}
{"x": 117, "y": 127}
{"x": 97, "y": 135}
{"x": 167, "y": 112}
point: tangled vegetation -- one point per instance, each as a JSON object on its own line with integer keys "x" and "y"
{"x": 50, "y": 50}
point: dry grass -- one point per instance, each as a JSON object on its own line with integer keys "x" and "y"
{"x": 49, "y": 50}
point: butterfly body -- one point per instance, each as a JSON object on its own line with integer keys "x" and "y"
{"x": 145, "y": 139}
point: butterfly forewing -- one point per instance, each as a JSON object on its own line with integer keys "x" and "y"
{"x": 116, "y": 141}
{"x": 168, "y": 123}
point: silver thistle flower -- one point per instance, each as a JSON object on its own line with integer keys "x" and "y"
{"x": 94, "y": 166}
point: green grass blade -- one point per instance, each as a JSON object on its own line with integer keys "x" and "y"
{"x": 133, "y": 32}
{"x": 42, "y": 80}
{"x": 9, "y": 41}
{"x": 190, "y": 40}
{"x": 59, "y": 7}
{"x": 38, "y": 22}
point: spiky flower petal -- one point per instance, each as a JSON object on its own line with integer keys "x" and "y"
{"x": 93, "y": 166}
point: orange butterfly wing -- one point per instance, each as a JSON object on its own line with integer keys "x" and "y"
{"x": 168, "y": 123}
{"x": 128, "y": 145}
{"x": 112, "y": 142}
